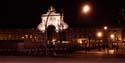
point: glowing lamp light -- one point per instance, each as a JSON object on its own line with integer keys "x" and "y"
{"x": 99, "y": 34}
{"x": 79, "y": 41}
{"x": 112, "y": 36}
{"x": 111, "y": 51}
{"x": 22, "y": 37}
{"x": 53, "y": 40}
{"x": 105, "y": 27}
{"x": 86, "y": 8}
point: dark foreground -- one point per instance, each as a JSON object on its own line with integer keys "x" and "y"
{"x": 75, "y": 57}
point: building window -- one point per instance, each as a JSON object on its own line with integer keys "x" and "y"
{"x": 26, "y": 36}
{"x": 31, "y": 36}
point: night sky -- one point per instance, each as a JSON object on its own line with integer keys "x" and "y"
{"x": 27, "y": 13}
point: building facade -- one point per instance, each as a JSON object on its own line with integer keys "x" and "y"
{"x": 59, "y": 33}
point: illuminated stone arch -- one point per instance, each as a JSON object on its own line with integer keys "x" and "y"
{"x": 52, "y": 18}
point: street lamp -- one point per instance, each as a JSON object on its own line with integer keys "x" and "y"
{"x": 105, "y": 40}
{"x": 105, "y": 27}
{"x": 112, "y": 36}
{"x": 86, "y": 8}
{"x": 99, "y": 34}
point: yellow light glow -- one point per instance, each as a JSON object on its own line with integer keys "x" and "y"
{"x": 86, "y": 8}
{"x": 112, "y": 36}
{"x": 26, "y": 36}
{"x": 79, "y": 41}
{"x": 105, "y": 27}
{"x": 22, "y": 37}
{"x": 100, "y": 52}
{"x": 99, "y": 34}
{"x": 53, "y": 40}
{"x": 111, "y": 51}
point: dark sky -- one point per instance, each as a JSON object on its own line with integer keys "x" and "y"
{"x": 27, "y": 13}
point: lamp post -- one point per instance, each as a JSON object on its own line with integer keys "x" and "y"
{"x": 86, "y": 9}
{"x": 105, "y": 40}
{"x": 105, "y": 27}
{"x": 99, "y": 35}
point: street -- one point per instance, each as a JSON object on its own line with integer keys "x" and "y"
{"x": 75, "y": 57}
